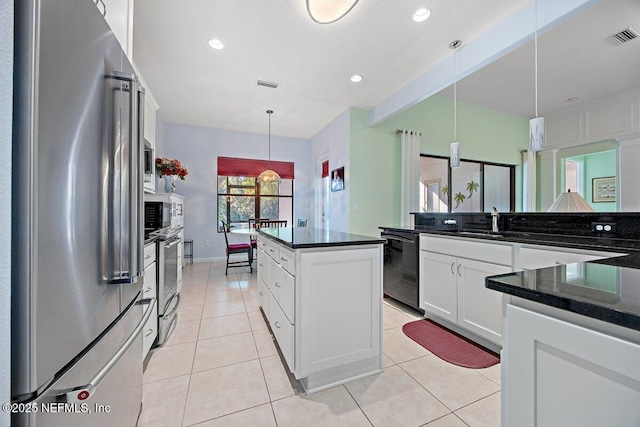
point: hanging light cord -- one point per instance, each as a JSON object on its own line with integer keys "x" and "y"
{"x": 269, "y": 112}
{"x": 455, "y": 96}
{"x": 535, "y": 56}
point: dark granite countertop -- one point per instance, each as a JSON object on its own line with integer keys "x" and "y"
{"x": 307, "y": 237}
{"x": 608, "y": 289}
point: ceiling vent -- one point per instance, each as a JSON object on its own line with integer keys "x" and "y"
{"x": 625, "y": 36}
{"x": 267, "y": 84}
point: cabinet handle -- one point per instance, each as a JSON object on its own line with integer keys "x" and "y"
{"x": 276, "y": 284}
{"x": 260, "y": 264}
{"x": 560, "y": 263}
{"x": 148, "y": 333}
{"x": 452, "y": 268}
{"x": 147, "y": 257}
{"x": 459, "y": 274}
{"x": 283, "y": 258}
{"x": 147, "y": 290}
{"x": 271, "y": 250}
{"x": 261, "y": 294}
{"x": 276, "y": 325}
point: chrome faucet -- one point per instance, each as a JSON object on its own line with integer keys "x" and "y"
{"x": 494, "y": 220}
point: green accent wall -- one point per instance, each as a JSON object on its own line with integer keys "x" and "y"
{"x": 374, "y": 157}
{"x": 597, "y": 165}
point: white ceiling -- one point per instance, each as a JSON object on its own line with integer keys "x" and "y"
{"x": 575, "y": 59}
{"x": 278, "y": 41}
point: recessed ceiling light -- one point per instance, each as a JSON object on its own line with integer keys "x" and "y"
{"x": 356, "y": 78}
{"x": 421, "y": 14}
{"x": 216, "y": 44}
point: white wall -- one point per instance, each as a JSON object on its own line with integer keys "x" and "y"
{"x": 198, "y": 149}
{"x": 334, "y": 141}
{"x": 6, "y": 97}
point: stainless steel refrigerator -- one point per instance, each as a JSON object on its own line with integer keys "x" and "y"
{"x": 77, "y": 251}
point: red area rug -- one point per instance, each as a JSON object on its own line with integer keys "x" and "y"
{"x": 449, "y": 346}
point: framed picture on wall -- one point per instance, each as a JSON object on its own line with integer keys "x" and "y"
{"x": 337, "y": 179}
{"x": 604, "y": 189}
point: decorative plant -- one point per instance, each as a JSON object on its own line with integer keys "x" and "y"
{"x": 166, "y": 166}
{"x": 471, "y": 187}
{"x": 458, "y": 198}
{"x": 445, "y": 190}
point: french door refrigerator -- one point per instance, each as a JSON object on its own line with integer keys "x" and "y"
{"x": 77, "y": 243}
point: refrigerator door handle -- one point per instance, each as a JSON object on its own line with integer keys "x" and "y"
{"x": 130, "y": 188}
{"x": 83, "y": 393}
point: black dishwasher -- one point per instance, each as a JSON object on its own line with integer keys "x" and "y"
{"x": 401, "y": 267}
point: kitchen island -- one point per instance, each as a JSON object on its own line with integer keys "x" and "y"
{"x": 572, "y": 344}
{"x": 321, "y": 293}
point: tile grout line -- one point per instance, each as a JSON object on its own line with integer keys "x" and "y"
{"x": 426, "y": 389}
{"x": 357, "y": 404}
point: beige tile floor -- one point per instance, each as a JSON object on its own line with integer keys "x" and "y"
{"x": 220, "y": 367}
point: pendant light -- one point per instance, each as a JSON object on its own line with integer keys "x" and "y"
{"x": 536, "y": 125}
{"x": 269, "y": 175}
{"x": 454, "y": 149}
{"x": 326, "y": 12}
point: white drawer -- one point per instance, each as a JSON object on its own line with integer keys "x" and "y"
{"x": 263, "y": 264}
{"x": 283, "y": 331}
{"x": 149, "y": 284}
{"x": 150, "y": 331}
{"x": 284, "y": 291}
{"x": 272, "y": 249}
{"x": 264, "y": 296}
{"x": 477, "y": 249}
{"x": 287, "y": 260}
{"x": 149, "y": 254}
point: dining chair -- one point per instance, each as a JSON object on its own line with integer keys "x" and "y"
{"x": 237, "y": 248}
{"x": 273, "y": 223}
{"x": 302, "y": 223}
{"x": 253, "y": 240}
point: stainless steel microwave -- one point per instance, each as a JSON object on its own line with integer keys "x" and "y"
{"x": 149, "y": 162}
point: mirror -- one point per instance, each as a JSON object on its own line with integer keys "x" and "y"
{"x": 579, "y": 65}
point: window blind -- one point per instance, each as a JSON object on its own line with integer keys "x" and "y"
{"x": 232, "y": 166}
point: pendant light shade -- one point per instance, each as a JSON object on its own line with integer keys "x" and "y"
{"x": 454, "y": 154}
{"x": 269, "y": 175}
{"x": 536, "y": 125}
{"x": 328, "y": 11}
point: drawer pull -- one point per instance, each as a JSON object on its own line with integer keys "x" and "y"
{"x": 147, "y": 257}
{"x": 147, "y": 290}
{"x": 283, "y": 259}
{"x": 277, "y": 286}
{"x": 148, "y": 333}
{"x": 261, "y": 294}
{"x": 277, "y": 326}
{"x": 271, "y": 250}
{"x": 260, "y": 264}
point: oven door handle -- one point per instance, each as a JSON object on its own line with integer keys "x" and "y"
{"x": 171, "y": 243}
{"x": 396, "y": 238}
{"x": 175, "y": 307}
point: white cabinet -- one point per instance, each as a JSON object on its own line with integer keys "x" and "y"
{"x": 119, "y": 16}
{"x": 561, "y": 373}
{"x": 324, "y": 308}
{"x": 149, "y": 290}
{"x": 453, "y": 289}
{"x": 439, "y": 285}
{"x": 149, "y": 132}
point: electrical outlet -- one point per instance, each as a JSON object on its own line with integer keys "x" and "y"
{"x": 603, "y": 227}
{"x": 206, "y": 243}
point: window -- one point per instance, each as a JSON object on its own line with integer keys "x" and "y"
{"x": 241, "y": 196}
{"x": 475, "y": 186}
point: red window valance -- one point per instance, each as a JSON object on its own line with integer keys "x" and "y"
{"x": 325, "y": 169}
{"x": 231, "y": 166}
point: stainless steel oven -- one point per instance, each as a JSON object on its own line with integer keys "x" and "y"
{"x": 168, "y": 296}
{"x": 401, "y": 267}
